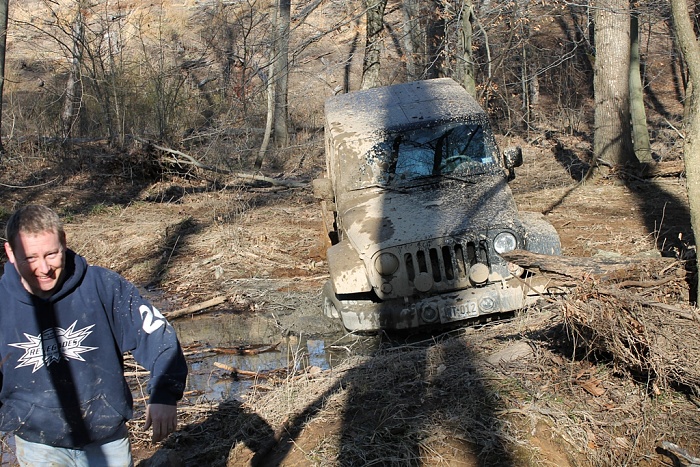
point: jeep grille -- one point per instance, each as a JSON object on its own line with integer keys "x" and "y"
{"x": 446, "y": 260}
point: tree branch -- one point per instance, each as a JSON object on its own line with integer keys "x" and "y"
{"x": 180, "y": 157}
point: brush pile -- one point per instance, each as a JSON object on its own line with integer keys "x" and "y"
{"x": 634, "y": 312}
{"x": 645, "y": 327}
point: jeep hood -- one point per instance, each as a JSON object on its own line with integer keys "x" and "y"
{"x": 375, "y": 219}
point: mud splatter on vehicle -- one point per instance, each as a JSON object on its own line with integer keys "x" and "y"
{"x": 418, "y": 208}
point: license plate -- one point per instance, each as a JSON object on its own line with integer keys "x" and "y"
{"x": 468, "y": 309}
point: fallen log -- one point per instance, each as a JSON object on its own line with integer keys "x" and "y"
{"x": 663, "y": 169}
{"x": 246, "y": 350}
{"x": 236, "y": 371}
{"x": 614, "y": 269}
{"x": 195, "y": 308}
{"x": 181, "y": 158}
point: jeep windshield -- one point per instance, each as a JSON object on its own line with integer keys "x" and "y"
{"x": 454, "y": 150}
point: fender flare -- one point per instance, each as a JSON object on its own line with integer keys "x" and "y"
{"x": 347, "y": 270}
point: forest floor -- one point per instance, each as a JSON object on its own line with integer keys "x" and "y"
{"x": 511, "y": 392}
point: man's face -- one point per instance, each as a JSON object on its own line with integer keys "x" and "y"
{"x": 40, "y": 260}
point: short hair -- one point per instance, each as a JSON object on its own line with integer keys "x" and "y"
{"x": 33, "y": 219}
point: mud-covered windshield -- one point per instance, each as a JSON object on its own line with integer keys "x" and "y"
{"x": 457, "y": 149}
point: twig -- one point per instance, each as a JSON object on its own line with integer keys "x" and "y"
{"x": 664, "y": 306}
{"x": 645, "y": 284}
{"x": 682, "y": 136}
{"x": 245, "y": 373}
{"x": 30, "y": 186}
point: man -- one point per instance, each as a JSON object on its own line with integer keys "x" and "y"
{"x": 64, "y": 327}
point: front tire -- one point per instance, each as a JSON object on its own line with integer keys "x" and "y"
{"x": 540, "y": 235}
{"x": 328, "y": 305}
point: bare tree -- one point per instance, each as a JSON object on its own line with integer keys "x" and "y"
{"x": 640, "y": 133}
{"x": 271, "y": 100}
{"x": 371, "y": 66}
{"x": 167, "y": 81}
{"x": 690, "y": 47}
{"x": 281, "y": 65}
{"x": 412, "y": 39}
{"x": 464, "y": 57}
{"x": 612, "y": 142}
{"x": 73, "y": 96}
{"x": 435, "y": 38}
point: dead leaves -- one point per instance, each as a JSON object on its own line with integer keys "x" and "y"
{"x": 589, "y": 383}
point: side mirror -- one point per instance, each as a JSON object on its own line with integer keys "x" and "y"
{"x": 323, "y": 189}
{"x": 513, "y": 157}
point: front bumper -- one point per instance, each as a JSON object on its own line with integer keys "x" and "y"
{"x": 400, "y": 314}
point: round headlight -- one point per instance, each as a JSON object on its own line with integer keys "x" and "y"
{"x": 505, "y": 242}
{"x": 386, "y": 264}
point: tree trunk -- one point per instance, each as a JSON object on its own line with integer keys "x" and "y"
{"x": 371, "y": 65}
{"x": 640, "y": 133}
{"x": 268, "y": 122}
{"x": 690, "y": 47}
{"x": 412, "y": 39}
{"x": 73, "y": 97}
{"x": 271, "y": 100}
{"x": 612, "y": 142}
{"x": 435, "y": 36}
{"x": 465, "y": 63}
{"x": 281, "y": 65}
{"x": 4, "y": 7}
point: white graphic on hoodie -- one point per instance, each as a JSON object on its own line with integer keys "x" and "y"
{"x": 52, "y": 345}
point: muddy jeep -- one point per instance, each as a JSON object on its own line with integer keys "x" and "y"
{"x": 417, "y": 207}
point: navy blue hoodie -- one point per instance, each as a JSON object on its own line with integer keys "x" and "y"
{"x": 61, "y": 359}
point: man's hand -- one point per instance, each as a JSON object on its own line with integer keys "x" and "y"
{"x": 163, "y": 418}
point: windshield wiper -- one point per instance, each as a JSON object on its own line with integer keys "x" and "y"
{"x": 382, "y": 187}
{"x": 458, "y": 179}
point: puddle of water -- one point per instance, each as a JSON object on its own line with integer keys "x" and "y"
{"x": 231, "y": 330}
{"x": 234, "y": 331}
